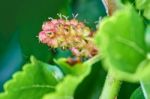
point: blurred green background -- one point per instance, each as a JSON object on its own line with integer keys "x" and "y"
{"x": 20, "y": 23}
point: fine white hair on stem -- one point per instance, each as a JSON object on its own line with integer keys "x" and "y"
{"x": 75, "y": 15}
{"x": 50, "y": 18}
{"x": 65, "y": 17}
{"x": 98, "y": 22}
{"x": 59, "y": 15}
{"x": 38, "y": 40}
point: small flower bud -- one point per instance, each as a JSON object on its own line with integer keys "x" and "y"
{"x": 68, "y": 34}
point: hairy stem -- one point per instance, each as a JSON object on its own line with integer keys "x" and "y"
{"x": 111, "y": 87}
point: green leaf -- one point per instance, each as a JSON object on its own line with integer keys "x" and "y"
{"x": 143, "y": 73}
{"x": 66, "y": 88}
{"x": 147, "y": 12}
{"x": 75, "y": 70}
{"x": 137, "y": 94}
{"x": 36, "y": 79}
{"x": 141, "y": 4}
{"x": 146, "y": 88}
{"x": 95, "y": 85}
{"x": 120, "y": 39}
{"x": 144, "y": 5}
{"x": 94, "y": 81}
{"x": 147, "y": 37}
{"x": 144, "y": 78}
{"x": 127, "y": 90}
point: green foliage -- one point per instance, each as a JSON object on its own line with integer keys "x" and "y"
{"x": 75, "y": 70}
{"x": 137, "y": 94}
{"x": 94, "y": 81}
{"x": 65, "y": 90}
{"x": 36, "y": 79}
{"x": 147, "y": 37}
{"x": 121, "y": 40}
{"x": 75, "y": 74}
{"x": 144, "y": 78}
{"x": 28, "y": 16}
{"x": 20, "y": 23}
{"x": 146, "y": 88}
{"x": 145, "y": 6}
{"x": 127, "y": 90}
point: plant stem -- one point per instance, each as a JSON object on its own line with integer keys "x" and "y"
{"x": 111, "y": 87}
{"x": 111, "y": 6}
{"x": 94, "y": 60}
